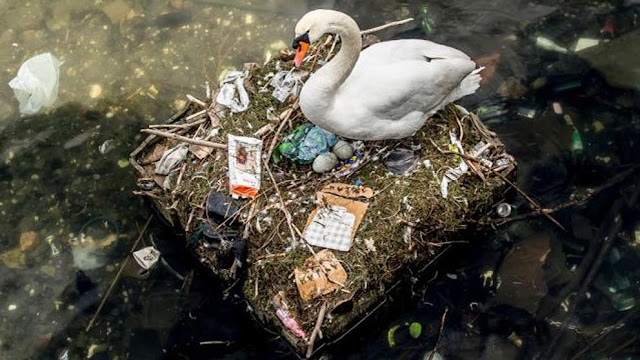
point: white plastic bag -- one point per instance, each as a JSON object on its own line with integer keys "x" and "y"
{"x": 232, "y": 84}
{"x": 36, "y": 84}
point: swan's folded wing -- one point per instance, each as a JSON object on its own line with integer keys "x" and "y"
{"x": 393, "y": 90}
{"x": 387, "y": 52}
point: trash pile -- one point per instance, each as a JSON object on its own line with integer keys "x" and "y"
{"x": 311, "y": 228}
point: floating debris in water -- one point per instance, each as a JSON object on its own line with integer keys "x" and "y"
{"x": 503, "y": 209}
{"x": 415, "y": 330}
{"x": 548, "y": 44}
{"x": 428, "y": 24}
{"x": 54, "y": 249}
{"x": 107, "y": 146}
{"x": 585, "y": 43}
{"x": 36, "y": 85}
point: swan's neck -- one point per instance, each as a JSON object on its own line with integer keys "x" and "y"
{"x": 330, "y": 77}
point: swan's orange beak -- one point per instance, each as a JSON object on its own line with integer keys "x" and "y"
{"x": 301, "y": 51}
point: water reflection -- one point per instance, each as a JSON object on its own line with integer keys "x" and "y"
{"x": 129, "y": 63}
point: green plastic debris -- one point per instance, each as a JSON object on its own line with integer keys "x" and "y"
{"x": 622, "y": 301}
{"x": 415, "y": 329}
{"x": 390, "y": 334}
{"x": 305, "y": 144}
{"x": 576, "y": 141}
{"x": 427, "y": 20}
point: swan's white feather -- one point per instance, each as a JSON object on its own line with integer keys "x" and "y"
{"x": 392, "y": 90}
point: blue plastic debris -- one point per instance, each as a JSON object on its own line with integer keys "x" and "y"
{"x": 305, "y": 144}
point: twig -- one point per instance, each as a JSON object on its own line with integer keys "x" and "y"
{"x": 134, "y": 153}
{"x": 115, "y": 280}
{"x": 207, "y": 90}
{"x": 534, "y": 204}
{"x": 385, "y": 26}
{"x": 191, "y": 215}
{"x": 605, "y": 334}
{"x": 263, "y": 130}
{"x": 147, "y": 193}
{"x": 196, "y": 100}
{"x": 185, "y": 139}
{"x": 283, "y": 120}
{"x": 333, "y": 46}
{"x": 270, "y": 256}
{"x": 435, "y": 347}
{"x": 316, "y": 329}
{"x": 195, "y": 115}
{"x": 611, "y": 226}
{"x": 186, "y": 283}
{"x": 624, "y": 345}
{"x": 434, "y": 259}
{"x": 576, "y": 202}
{"x": 247, "y": 223}
{"x": 179, "y": 126}
{"x": 216, "y": 342}
{"x": 286, "y": 212}
{"x": 182, "y": 169}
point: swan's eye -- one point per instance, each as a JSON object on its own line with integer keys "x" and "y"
{"x": 304, "y": 38}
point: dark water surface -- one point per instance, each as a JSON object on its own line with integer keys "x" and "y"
{"x": 128, "y": 64}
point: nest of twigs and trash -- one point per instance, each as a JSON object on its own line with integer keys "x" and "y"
{"x": 387, "y": 203}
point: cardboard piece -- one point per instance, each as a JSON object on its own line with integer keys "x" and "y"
{"x": 345, "y": 196}
{"x": 199, "y": 151}
{"x": 319, "y": 275}
{"x": 155, "y": 154}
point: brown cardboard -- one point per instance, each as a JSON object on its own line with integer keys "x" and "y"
{"x": 344, "y": 195}
{"x": 319, "y": 275}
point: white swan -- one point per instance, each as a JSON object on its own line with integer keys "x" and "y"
{"x": 386, "y": 91}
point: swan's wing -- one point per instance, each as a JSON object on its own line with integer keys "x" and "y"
{"x": 391, "y": 85}
{"x": 388, "y": 52}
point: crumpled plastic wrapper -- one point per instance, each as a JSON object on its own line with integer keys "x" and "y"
{"x": 455, "y": 173}
{"x": 306, "y": 143}
{"x": 286, "y": 83}
{"x": 400, "y": 161}
{"x": 232, "y": 93}
{"x": 36, "y": 85}
{"x": 171, "y": 159}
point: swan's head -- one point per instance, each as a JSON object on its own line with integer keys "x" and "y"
{"x": 313, "y": 25}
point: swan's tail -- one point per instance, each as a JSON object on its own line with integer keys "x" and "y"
{"x": 468, "y": 85}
